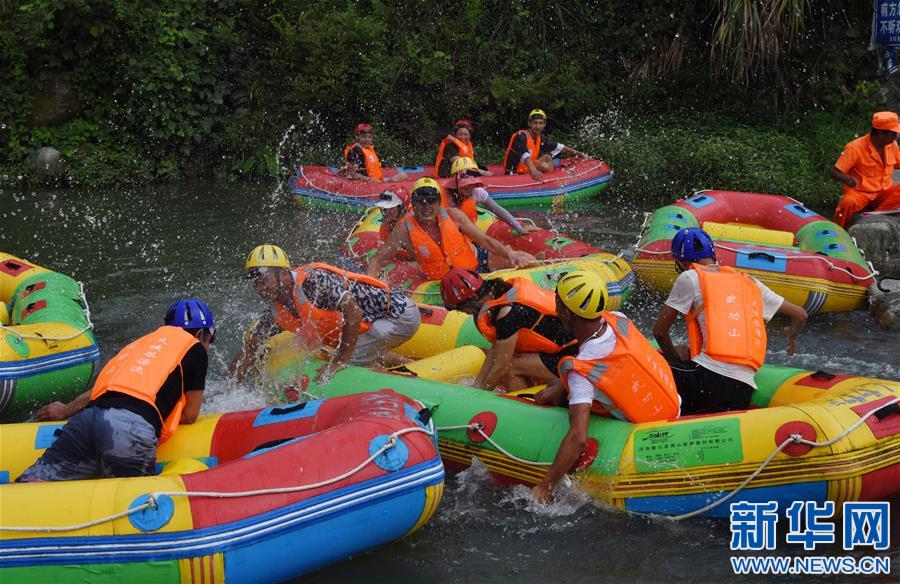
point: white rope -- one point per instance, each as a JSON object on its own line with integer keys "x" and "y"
{"x": 153, "y": 497}
{"x": 478, "y": 427}
{"x": 81, "y": 331}
{"x": 793, "y": 438}
{"x": 870, "y": 274}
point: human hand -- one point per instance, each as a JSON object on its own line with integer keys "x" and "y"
{"x": 541, "y": 493}
{"x": 536, "y": 174}
{"x": 551, "y": 395}
{"x": 327, "y": 371}
{"x": 682, "y": 352}
{"x": 791, "y": 339}
{"x": 521, "y": 259}
{"x": 528, "y": 228}
{"x": 851, "y": 182}
{"x": 53, "y": 411}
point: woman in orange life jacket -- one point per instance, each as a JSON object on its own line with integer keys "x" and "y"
{"x": 466, "y": 190}
{"x": 519, "y": 318}
{"x": 138, "y": 400}
{"x": 441, "y": 239}
{"x": 725, "y": 312}
{"x": 531, "y": 151}
{"x": 457, "y": 144}
{"x": 617, "y": 372}
{"x": 358, "y": 316}
{"x": 361, "y": 162}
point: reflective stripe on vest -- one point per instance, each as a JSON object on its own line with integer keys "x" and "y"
{"x": 527, "y": 294}
{"x": 454, "y": 251}
{"x": 464, "y": 151}
{"x": 326, "y": 325}
{"x": 634, "y": 376}
{"x": 373, "y": 165}
{"x": 733, "y": 307}
{"x": 533, "y": 146}
{"x": 142, "y": 367}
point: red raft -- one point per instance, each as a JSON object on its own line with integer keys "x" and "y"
{"x": 573, "y": 180}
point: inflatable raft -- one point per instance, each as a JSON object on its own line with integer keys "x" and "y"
{"x": 796, "y": 252}
{"x": 559, "y": 254}
{"x": 254, "y": 496}
{"x": 676, "y": 467}
{"x": 47, "y": 347}
{"x": 573, "y": 180}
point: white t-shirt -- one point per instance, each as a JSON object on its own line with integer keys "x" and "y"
{"x": 480, "y": 195}
{"x": 686, "y": 296}
{"x": 582, "y": 391}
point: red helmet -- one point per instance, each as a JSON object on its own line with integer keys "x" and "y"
{"x": 463, "y": 124}
{"x": 362, "y": 128}
{"x": 459, "y": 285}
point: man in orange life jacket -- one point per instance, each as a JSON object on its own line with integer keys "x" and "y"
{"x": 361, "y": 162}
{"x": 617, "y": 372}
{"x": 866, "y": 168}
{"x": 532, "y": 151}
{"x": 137, "y": 401}
{"x": 441, "y": 239}
{"x": 358, "y": 316}
{"x": 457, "y": 144}
{"x": 725, "y": 311}
{"x": 519, "y": 318}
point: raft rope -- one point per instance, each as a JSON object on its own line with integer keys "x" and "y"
{"x": 154, "y": 497}
{"x": 792, "y": 439}
{"x": 479, "y": 427}
{"x": 87, "y": 314}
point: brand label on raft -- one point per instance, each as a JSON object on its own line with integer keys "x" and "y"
{"x": 686, "y": 445}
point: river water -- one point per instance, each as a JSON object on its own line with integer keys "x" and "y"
{"x": 137, "y": 250}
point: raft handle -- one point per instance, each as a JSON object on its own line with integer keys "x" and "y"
{"x": 288, "y": 409}
{"x": 823, "y": 375}
{"x": 887, "y": 410}
{"x": 271, "y": 444}
{"x": 761, "y": 254}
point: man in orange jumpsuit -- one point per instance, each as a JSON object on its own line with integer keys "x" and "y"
{"x": 866, "y": 167}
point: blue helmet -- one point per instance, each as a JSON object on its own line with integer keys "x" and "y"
{"x": 190, "y": 314}
{"x": 692, "y": 244}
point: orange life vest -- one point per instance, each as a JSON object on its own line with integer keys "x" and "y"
{"x": 534, "y": 146}
{"x": 635, "y": 377}
{"x": 464, "y": 151}
{"x": 736, "y": 330}
{"x": 327, "y": 325}
{"x": 142, "y": 367}
{"x": 373, "y": 165}
{"x": 467, "y": 206}
{"x": 527, "y": 294}
{"x": 454, "y": 251}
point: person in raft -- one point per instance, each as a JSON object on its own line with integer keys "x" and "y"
{"x": 358, "y": 316}
{"x": 531, "y": 151}
{"x": 394, "y": 206}
{"x": 138, "y": 400}
{"x": 441, "y": 239}
{"x": 725, "y": 312}
{"x": 457, "y": 144}
{"x": 866, "y": 168}
{"x": 360, "y": 160}
{"x": 616, "y": 373}
{"x": 466, "y": 190}
{"x": 519, "y": 318}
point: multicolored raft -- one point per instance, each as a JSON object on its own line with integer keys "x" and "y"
{"x": 796, "y": 252}
{"x": 260, "y": 496}
{"x": 47, "y": 346}
{"x": 674, "y": 467}
{"x": 572, "y": 181}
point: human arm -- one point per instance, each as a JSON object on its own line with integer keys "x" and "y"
{"x": 518, "y": 259}
{"x": 253, "y": 344}
{"x": 842, "y": 177}
{"x": 569, "y": 451}
{"x": 356, "y": 161}
{"x": 352, "y": 317}
{"x": 61, "y": 411}
{"x": 496, "y": 366}
{"x": 551, "y": 395}
{"x": 504, "y": 215}
{"x": 398, "y": 239}
{"x": 572, "y": 152}
{"x": 194, "y": 398}
{"x": 798, "y": 317}
{"x": 661, "y": 328}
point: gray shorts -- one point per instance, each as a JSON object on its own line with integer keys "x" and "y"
{"x": 98, "y": 442}
{"x": 385, "y": 334}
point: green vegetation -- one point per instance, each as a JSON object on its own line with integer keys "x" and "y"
{"x": 705, "y": 92}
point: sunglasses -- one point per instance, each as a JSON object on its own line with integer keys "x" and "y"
{"x": 427, "y": 200}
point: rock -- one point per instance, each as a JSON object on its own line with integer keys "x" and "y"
{"x": 886, "y": 305}
{"x": 56, "y": 107}
{"x": 879, "y": 237}
{"x": 47, "y": 161}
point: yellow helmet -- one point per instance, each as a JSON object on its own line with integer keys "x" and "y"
{"x": 537, "y": 113}
{"x": 584, "y": 293}
{"x": 463, "y": 163}
{"x": 267, "y": 256}
{"x": 426, "y": 182}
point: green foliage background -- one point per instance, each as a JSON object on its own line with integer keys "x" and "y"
{"x": 177, "y": 88}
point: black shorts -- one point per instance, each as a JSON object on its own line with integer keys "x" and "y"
{"x": 705, "y": 392}
{"x": 551, "y": 360}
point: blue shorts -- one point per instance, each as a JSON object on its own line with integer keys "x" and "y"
{"x": 482, "y": 255}
{"x": 98, "y": 442}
